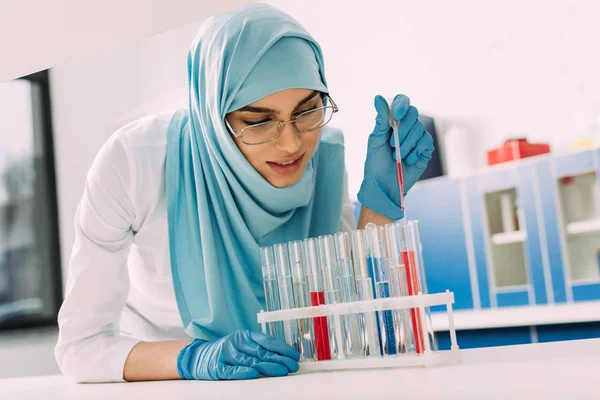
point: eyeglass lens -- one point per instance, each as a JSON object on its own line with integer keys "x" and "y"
{"x": 307, "y": 121}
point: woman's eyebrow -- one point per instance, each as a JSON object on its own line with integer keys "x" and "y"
{"x": 258, "y": 109}
{"x": 308, "y": 98}
{"x": 264, "y": 110}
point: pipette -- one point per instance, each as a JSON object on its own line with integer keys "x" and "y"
{"x": 394, "y": 124}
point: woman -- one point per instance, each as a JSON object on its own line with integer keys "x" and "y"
{"x": 164, "y": 279}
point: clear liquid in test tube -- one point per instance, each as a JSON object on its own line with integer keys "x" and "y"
{"x": 286, "y": 294}
{"x": 377, "y": 258}
{"x": 352, "y": 340}
{"x": 331, "y": 284}
{"x": 271, "y": 289}
{"x": 398, "y": 285}
{"x": 302, "y": 299}
{"x": 369, "y": 331}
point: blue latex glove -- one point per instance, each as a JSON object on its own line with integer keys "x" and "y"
{"x": 239, "y": 355}
{"x": 379, "y": 190}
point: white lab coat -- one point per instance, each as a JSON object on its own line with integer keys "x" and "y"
{"x": 119, "y": 287}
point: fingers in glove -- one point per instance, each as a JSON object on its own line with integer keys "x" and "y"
{"x": 400, "y": 106}
{"x": 275, "y": 345}
{"x": 422, "y": 151}
{"x": 271, "y": 369}
{"x": 410, "y": 119}
{"x": 411, "y": 142}
{"x": 382, "y": 122}
{"x": 233, "y": 356}
{"x": 231, "y": 372}
{"x": 259, "y": 352}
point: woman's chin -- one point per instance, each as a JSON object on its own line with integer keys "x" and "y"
{"x": 281, "y": 180}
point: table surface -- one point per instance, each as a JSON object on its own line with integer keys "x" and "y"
{"x": 557, "y": 370}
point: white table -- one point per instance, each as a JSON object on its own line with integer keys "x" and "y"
{"x": 560, "y": 370}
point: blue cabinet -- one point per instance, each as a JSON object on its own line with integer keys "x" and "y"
{"x": 550, "y": 253}
{"x": 551, "y": 225}
{"x": 509, "y": 259}
{"x": 539, "y": 259}
{"x": 437, "y": 205}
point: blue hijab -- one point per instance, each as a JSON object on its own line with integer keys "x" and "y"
{"x": 220, "y": 210}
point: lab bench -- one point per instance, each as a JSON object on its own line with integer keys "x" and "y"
{"x": 556, "y": 370}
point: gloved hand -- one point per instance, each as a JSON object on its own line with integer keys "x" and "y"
{"x": 239, "y": 355}
{"x": 379, "y": 190}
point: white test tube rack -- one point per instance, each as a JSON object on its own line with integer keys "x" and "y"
{"x": 428, "y": 357}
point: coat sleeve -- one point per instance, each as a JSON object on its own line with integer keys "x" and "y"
{"x": 90, "y": 347}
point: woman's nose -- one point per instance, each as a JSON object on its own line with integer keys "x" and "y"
{"x": 289, "y": 140}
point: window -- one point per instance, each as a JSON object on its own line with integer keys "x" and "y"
{"x": 30, "y": 278}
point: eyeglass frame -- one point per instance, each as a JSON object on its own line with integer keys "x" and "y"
{"x": 281, "y": 124}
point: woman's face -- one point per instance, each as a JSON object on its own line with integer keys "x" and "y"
{"x": 281, "y": 161}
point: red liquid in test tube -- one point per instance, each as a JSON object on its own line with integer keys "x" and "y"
{"x": 412, "y": 277}
{"x": 321, "y": 330}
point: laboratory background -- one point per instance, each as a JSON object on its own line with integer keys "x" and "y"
{"x": 509, "y": 206}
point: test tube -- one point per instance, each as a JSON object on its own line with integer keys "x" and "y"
{"x": 409, "y": 256}
{"x": 414, "y": 256}
{"x": 271, "y": 289}
{"x": 331, "y": 285}
{"x": 317, "y": 297}
{"x": 286, "y": 294}
{"x": 352, "y": 342}
{"x": 364, "y": 290}
{"x": 302, "y": 298}
{"x": 393, "y": 236}
{"x": 376, "y": 255}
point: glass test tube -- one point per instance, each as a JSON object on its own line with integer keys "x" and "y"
{"x": 317, "y": 297}
{"x": 352, "y": 341}
{"x": 331, "y": 285}
{"x": 414, "y": 255}
{"x": 393, "y": 236}
{"x": 286, "y": 294}
{"x": 364, "y": 290}
{"x": 269, "y": 273}
{"x": 302, "y": 298}
{"x": 376, "y": 255}
{"x": 409, "y": 259}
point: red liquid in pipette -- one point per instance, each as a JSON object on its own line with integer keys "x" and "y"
{"x": 400, "y": 183}
{"x": 409, "y": 258}
{"x": 321, "y": 330}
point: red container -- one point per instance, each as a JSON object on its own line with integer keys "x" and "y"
{"x": 515, "y": 149}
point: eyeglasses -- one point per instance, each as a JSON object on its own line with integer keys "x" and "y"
{"x": 268, "y": 131}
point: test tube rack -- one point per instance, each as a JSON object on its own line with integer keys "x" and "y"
{"x": 427, "y": 358}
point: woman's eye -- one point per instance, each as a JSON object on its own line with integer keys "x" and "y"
{"x": 307, "y": 110}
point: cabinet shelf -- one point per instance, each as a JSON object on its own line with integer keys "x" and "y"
{"x": 509, "y": 237}
{"x": 587, "y": 311}
{"x": 575, "y": 228}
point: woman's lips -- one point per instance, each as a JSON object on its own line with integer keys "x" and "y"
{"x": 286, "y": 167}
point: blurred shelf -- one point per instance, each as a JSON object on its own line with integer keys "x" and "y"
{"x": 509, "y": 237}
{"x": 591, "y": 225}
{"x": 585, "y": 311}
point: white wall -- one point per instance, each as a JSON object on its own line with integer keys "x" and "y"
{"x": 500, "y": 69}
{"x": 36, "y": 35}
